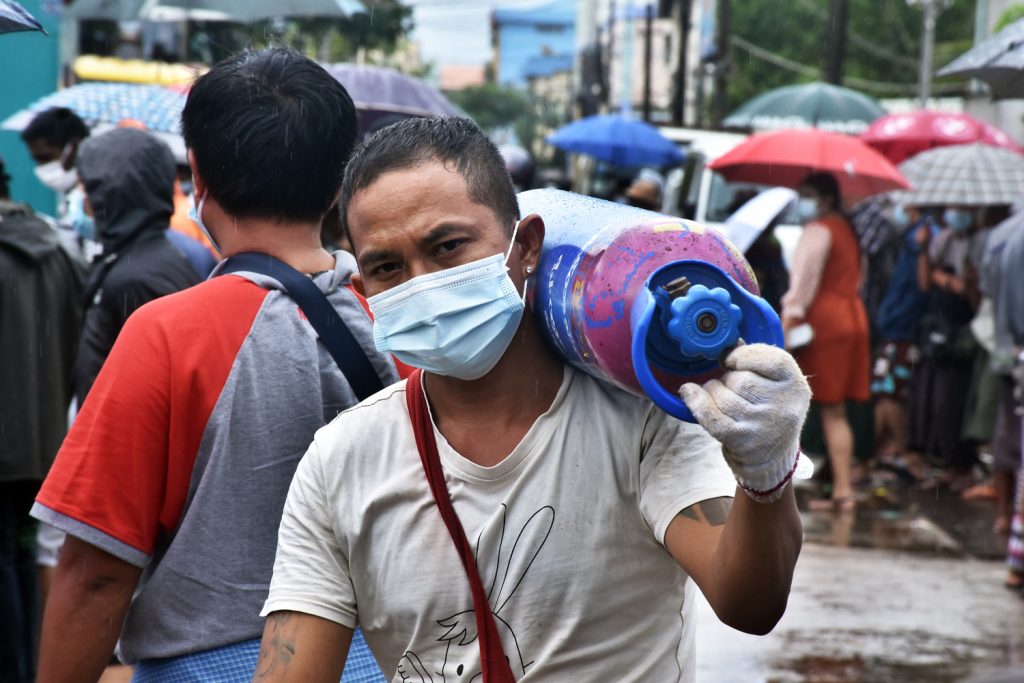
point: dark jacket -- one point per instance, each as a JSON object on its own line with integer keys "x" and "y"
{"x": 41, "y": 285}
{"x": 129, "y": 179}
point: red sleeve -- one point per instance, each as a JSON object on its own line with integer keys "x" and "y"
{"x": 122, "y": 476}
{"x": 403, "y": 370}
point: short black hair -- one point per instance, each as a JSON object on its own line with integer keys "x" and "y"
{"x": 271, "y": 132}
{"x": 416, "y": 141}
{"x": 58, "y": 126}
{"x": 826, "y": 185}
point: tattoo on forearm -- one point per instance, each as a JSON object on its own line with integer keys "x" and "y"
{"x": 277, "y": 648}
{"x": 714, "y": 511}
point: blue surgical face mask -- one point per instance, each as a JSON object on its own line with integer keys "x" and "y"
{"x": 900, "y": 217}
{"x": 195, "y": 212}
{"x": 76, "y": 218}
{"x": 957, "y": 219}
{"x": 456, "y": 322}
{"x": 807, "y": 209}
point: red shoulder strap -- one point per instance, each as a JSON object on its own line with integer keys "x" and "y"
{"x": 495, "y": 665}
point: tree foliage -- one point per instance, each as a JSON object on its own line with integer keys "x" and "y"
{"x": 882, "y": 47}
{"x": 492, "y": 106}
{"x": 1010, "y": 15}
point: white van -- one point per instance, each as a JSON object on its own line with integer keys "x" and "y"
{"x": 693, "y": 191}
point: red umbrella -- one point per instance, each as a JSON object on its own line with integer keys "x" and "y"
{"x": 786, "y": 157}
{"x": 901, "y": 136}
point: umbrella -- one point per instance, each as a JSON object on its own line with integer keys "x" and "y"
{"x": 964, "y": 175}
{"x": 384, "y": 96}
{"x": 901, "y": 136}
{"x": 808, "y": 105}
{"x": 786, "y": 157}
{"x": 617, "y": 139}
{"x": 211, "y": 10}
{"x": 102, "y": 105}
{"x": 750, "y": 220}
{"x": 14, "y": 17}
{"x": 999, "y": 61}
{"x": 157, "y": 108}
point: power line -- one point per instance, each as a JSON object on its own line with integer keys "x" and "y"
{"x": 860, "y": 41}
{"x": 906, "y": 89}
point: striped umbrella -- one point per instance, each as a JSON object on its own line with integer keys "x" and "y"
{"x": 156, "y": 107}
{"x": 964, "y": 175}
{"x": 14, "y": 17}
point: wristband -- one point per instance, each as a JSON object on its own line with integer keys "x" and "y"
{"x": 772, "y": 494}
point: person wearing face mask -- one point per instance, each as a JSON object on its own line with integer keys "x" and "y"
{"x": 588, "y": 516}
{"x": 948, "y": 350}
{"x": 824, "y": 293}
{"x": 171, "y": 482}
{"x": 40, "y": 316}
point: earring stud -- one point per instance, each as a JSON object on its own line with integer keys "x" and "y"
{"x": 529, "y": 269}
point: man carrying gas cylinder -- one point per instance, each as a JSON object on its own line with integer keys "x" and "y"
{"x": 502, "y": 512}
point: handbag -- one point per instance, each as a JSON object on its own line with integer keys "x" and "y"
{"x": 330, "y": 328}
{"x": 494, "y": 664}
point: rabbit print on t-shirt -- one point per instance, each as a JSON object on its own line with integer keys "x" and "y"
{"x": 503, "y": 558}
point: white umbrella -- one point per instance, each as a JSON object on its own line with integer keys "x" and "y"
{"x": 750, "y": 220}
{"x": 963, "y": 175}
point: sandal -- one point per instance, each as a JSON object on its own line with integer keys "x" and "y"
{"x": 1013, "y": 581}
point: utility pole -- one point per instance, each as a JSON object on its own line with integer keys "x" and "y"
{"x": 684, "y": 7}
{"x": 835, "y": 47}
{"x": 924, "y": 79}
{"x": 648, "y": 39}
{"x": 723, "y": 62}
{"x": 627, "y": 60}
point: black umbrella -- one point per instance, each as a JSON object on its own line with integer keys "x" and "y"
{"x": 14, "y": 17}
{"x": 999, "y": 61}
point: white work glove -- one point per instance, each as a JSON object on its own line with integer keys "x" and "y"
{"x": 756, "y": 410}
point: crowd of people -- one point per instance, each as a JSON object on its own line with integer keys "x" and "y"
{"x": 218, "y": 470}
{"x": 171, "y": 314}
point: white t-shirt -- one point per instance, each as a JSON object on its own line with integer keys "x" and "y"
{"x": 568, "y": 532}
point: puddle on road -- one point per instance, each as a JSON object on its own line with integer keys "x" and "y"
{"x": 880, "y": 529}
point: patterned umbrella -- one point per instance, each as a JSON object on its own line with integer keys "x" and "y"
{"x": 14, "y": 17}
{"x": 999, "y": 61}
{"x": 808, "y": 105}
{"x": 156, "y": 107}
{"x": 901, "y": 136}
{"x": 964, "y": 175}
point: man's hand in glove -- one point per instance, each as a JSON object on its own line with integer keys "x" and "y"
{"x": 756, "y": 410}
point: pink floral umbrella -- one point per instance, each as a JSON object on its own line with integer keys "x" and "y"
{"x": 901, "y": 136}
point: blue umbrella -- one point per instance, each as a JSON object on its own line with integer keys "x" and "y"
{"x": 617, "y": 139}
{"x": 14, "y": 17}
{"x": 156, "y": 107}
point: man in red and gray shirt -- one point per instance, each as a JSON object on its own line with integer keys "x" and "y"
{"x": 171, "y": 483}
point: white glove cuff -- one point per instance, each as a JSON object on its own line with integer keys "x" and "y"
{"x": 767, "y": 482}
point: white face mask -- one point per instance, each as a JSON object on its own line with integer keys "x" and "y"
{"x": 807, "y": 209}
{"x": 55, "y": 176}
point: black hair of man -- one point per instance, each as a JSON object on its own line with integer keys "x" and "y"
{"x": 450, "y": 140}
{"x": 271, "y": 132}
{"x": 5, "y": 182}
{"x": 826, "y": 185}
{"x": 57, "y": 126}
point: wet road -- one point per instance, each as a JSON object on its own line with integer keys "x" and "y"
{"x": 890, "y": 595}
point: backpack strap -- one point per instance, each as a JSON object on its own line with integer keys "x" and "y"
{"x": 335, "y": 335}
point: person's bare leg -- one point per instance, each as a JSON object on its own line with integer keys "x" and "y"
{"x": 839, "y": 443}
{"x": 1005, "y": 484}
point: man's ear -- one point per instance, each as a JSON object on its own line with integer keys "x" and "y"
{"x": 530, "y": 238}
{"x": 357, "y": 284}
{"x": 198, "y": 182}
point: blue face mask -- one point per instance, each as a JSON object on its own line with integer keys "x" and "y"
{"x": 900, "y": 217}
{"x": 957, "y": 219}
{"x": 195, "y": 212}
{"x": 807, "y": 209}
{"x": 76, "y": 217}
{"x": 456, "y": 322}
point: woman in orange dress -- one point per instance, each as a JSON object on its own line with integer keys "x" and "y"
{"x": 824, "y": 292}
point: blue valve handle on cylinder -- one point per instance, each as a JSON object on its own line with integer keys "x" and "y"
{"x": 692, "y": 313}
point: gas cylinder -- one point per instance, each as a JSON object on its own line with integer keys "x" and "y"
{"x": 643, "y": 300}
